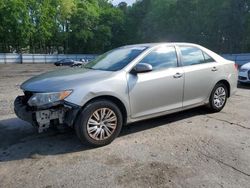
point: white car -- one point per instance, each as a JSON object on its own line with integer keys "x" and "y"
{"x": 244, "y": 73}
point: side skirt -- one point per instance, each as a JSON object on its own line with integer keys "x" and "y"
{"x": 133, "y": 120}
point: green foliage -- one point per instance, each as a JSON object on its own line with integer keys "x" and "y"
{"x": 15, "y": 25}
{"x": 222, "y": 25}
{"x": 95, "y": 26}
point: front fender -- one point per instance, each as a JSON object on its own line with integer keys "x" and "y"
{"x": 115, "y": 87}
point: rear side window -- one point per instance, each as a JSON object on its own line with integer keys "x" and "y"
{"x": 161, "y": 58}
{"x": 191, "y": 56}
{"x": 208, "y": 59}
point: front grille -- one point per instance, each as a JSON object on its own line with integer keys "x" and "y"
{"x": 27, "y": 95}
{"x": 242, "y": 78}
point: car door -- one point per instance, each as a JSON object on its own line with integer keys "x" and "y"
{"x": 201, "y": 73}
{"x": 159, "y": 90}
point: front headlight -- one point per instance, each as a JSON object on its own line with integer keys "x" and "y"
{"x": 40, "y": 99}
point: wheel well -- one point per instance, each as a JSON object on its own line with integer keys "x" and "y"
{"x": 115, "y": 100}
{"x": 226, "y": 83}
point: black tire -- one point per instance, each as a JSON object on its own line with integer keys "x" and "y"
{"x": 83, "y": 118}
{"x": 212, "y": 106}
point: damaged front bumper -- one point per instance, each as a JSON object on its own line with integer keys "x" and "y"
{"x": 42, "y": 118}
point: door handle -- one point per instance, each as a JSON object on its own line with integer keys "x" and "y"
{"x": 178, "y": 75}
{"x": 214, "y": 69}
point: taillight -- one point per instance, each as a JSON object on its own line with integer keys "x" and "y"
{"x": 236, "y": 66}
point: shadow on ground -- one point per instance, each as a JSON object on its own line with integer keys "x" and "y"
{"x": 18, "y": 140}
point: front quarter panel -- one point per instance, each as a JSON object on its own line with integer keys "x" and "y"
{"x": 115, "y": 86}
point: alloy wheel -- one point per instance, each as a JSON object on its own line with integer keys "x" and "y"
{"x": 219, "y": 97}
{"x": 102, "y": 124}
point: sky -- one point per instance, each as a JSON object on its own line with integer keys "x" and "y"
{"x": 129, "y": 2}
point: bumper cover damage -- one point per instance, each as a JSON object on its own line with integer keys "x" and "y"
{"x": 42, "y": 118}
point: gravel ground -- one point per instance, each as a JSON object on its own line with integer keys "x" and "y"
{"x": 187, "y": 149}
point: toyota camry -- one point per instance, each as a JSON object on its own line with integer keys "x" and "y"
{"x": 125, "y": 85}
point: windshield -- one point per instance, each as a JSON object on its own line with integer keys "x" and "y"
{"x": 116, "y": 59}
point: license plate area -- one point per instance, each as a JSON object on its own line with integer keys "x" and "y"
{"x": 44, "y": 118}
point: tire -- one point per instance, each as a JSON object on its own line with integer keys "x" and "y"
{"x": 216, "y": 104}
{"x": 86, "y": 130}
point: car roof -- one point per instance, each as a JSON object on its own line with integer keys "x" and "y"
{"x": 149, "y": 45}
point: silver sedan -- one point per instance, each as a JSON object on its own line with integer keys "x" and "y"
{"x": 126, "y": 85}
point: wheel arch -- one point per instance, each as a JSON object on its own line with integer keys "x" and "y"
{"x": 227, "y": 84}
{"x": 110, "y": 98}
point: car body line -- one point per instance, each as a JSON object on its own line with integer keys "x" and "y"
{"x": 133, "y": 120}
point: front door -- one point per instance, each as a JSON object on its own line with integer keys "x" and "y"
{"x": 160, "y": 90}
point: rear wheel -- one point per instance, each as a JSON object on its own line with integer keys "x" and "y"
{"x": 99, "y": 123}
{"x": 218, "y": 97}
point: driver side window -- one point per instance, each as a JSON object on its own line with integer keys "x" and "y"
{"x": 161, "y": 58}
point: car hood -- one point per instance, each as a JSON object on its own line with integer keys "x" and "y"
{"x": 245, "y": 66}
{"x": 63, "y": 79}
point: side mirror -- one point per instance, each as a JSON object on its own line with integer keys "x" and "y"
{"x": 142, "y": 68}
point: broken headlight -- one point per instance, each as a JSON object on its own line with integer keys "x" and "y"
{"x": 40, "y": 99}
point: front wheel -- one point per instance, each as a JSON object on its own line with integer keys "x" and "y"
{"x": 218, "y": 97}
{"x": 99, "y": 123}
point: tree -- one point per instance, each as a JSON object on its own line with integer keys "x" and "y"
{"x": 15, "y": 26}
{"x": 44, "y": 24}
{"x": 65, "y": 9}
{"x": 95, "y": 26}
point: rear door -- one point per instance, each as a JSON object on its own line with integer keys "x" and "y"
{"x": 201, "y": 72}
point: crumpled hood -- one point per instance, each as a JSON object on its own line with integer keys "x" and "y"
{"x": 64, "y": 79}
{"x": 245, "y": 66}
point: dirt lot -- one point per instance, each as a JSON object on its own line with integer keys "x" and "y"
{"x": 188, "y": 149}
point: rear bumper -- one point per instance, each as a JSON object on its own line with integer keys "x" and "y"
{"x": 63, "y": 114}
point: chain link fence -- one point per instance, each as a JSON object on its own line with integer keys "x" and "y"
{"x": 7, "y": 58}
{"x": 46, "y": 58}
{"x": 240, "y": 59}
